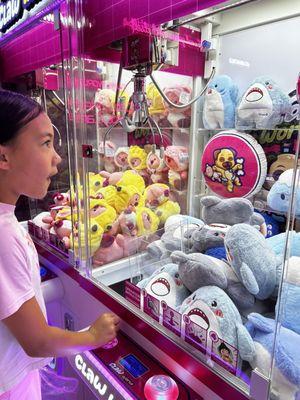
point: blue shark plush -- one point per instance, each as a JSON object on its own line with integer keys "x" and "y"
{"x": 263, "y": 105}
{"x": 279, "y": 196}
{"x": 211, "y": 308}
{"x": 286, "y": 372}
{"x": 277, "y": 243}
{"x": 220, "y": 103}
{"x": 288, "y": 304}
{"x": 254, "y": 262}
{"x": 165, "y": 284}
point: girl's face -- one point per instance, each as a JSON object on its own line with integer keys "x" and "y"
{"x": 31, "y": 159}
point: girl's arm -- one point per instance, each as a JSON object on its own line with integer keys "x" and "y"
{"x": 38, "y": 339}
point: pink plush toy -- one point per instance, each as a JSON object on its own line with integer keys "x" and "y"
{"x": 109, "y": 250}
{"x": 126, "y": 223}
{"x": 129, "y": 244}
{"x": 121, "y": 158}
{"x": 61, "y": 199}
{"x": 176, "y": 159}
{"x": 107, "y": 156}
{"x": 157, "y": 168}
{"x": 104, "y": 101}
{"x": 179, "y": 118}
{"x": 62, "y": 229}
{"x": 156, "y": 194}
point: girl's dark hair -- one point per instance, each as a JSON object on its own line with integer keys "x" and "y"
{"x": 16, "y": 111}
{"x": 224, "y": 347}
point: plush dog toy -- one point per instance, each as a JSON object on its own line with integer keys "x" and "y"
{"x": 230, "y": 212}
{"x": 253, "y": 261}
{"x": 165, "y": 284}
{"x": 220, "y": 103}
{"x": 211, "y": 308}
{"x": 286, "y": 372}
{"x": 263, "y": 105}
{"x": 280, "y": 194}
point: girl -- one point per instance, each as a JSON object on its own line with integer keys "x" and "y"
{"x": 27, "y": 163}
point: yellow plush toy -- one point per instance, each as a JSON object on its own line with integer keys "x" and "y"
{"x": 78, "y": 239}
{"x": 107, "y": 193}
{"x": 165, "y": 210}
{"x": 147, "y": 222}
{"x": 132, "y": 178}
{"x": 128, "y": 197}
{"x": 102, "y": 213}
{"x": 137, "y": 158}
{"x": 95, "y": 182}
{"x": 155, "y": 100}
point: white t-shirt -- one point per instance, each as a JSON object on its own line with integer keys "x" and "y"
{"x": 19, "y": 281}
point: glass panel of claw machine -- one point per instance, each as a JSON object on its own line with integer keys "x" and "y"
{"x": 138, "y": 173}
{"x": 211, "y": 279}
{"x": 244, "y": 158}
{"x": 50, "y": 218}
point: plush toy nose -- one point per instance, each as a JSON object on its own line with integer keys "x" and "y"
{"x": 105, "y": 183}
{"x": 107, "y": 240}
{"x": 130, "y": 226}
{"x": 58, "y": 224}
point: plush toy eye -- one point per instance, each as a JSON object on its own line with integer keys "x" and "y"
{"x": 214, "y": 303}
{"x": 216, "y": 85}
{"x": 177, "y": 275}
{"x": 194, "y": 297}
{"x": 216, "y": 234}
{"x": 267, "y": 83}
{"x": 97, "y": 183}
{"x": 108, "y": 227}
{"x": 94, "y": 228}
{"x": 282, "y": 196}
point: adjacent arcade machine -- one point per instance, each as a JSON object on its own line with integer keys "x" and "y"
{"x": 177, "y": 204}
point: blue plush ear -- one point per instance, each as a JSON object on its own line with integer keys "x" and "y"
{"x": 245, "y": 343}
{"x": 248, "y": 279}
{"x": 259, "y": 322}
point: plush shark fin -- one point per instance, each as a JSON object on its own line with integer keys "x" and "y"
{"x": 245, "y": 343}
{"x": 248, "y": 279}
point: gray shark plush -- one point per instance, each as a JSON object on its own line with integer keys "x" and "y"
{"x": 254, "y": 262}
{"x": 230, "y": 212}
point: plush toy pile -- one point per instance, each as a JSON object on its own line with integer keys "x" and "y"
{"x": 232, "y": 298}
{"x": 129, "y": 203}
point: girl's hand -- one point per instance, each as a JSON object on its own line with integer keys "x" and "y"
{"x": 104, "y": 329}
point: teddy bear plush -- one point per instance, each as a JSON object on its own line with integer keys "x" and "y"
{"x": 262, "y": 106}
{"x": 220, "y": 103}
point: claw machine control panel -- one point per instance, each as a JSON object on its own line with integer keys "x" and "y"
{"x": 122, "y": 370}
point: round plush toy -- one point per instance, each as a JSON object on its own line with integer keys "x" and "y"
{"x": 234, "y": 164}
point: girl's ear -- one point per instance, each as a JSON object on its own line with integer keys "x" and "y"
{"x": 4, "y": 165}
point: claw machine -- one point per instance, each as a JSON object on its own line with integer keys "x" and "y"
{"x": 182, "y": 199}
